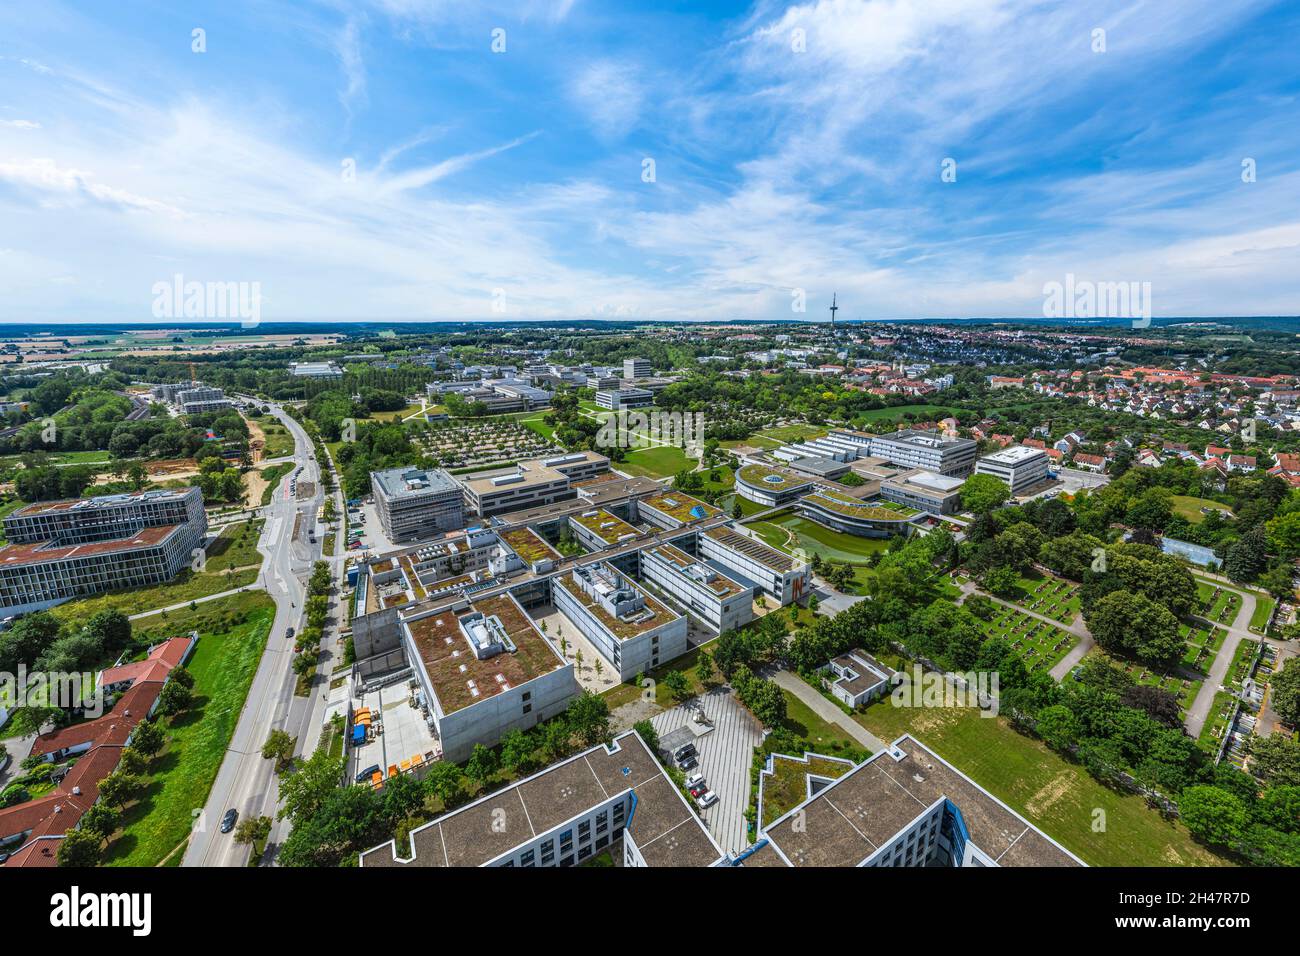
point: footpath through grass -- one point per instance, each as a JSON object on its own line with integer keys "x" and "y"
{"x": 187, "y": 586}
{"x": 182, "y": 775}
{"x": 1055, "y": 795}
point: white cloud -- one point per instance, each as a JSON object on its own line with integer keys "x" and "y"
{"x": 20, "y": 124}
{"x": 610, "y": 93}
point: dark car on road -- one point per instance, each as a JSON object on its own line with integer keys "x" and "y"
{"x": 228, "y": 821}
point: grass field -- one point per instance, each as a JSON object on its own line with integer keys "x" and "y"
{"x": 236, "y": 547}
{"x": 1052, "y": 793}
{"x": 278, "y": 440}
{"x": 656, "y": 462}
{"x": 187, "y": 586}
{"x": 538, "y": 424}
{"x": 181, "y": 776}
{"x": 787, "y": 787}
{"x": 1189, "y": 508}
{"x": 821, "y": 735}
{"x": 272, "y": 476}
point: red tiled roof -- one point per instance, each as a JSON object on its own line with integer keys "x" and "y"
{"x": 162, "y": 658}
{"x": 112, "y": 729}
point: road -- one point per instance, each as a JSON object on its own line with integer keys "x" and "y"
{"x": 246, "y": 780}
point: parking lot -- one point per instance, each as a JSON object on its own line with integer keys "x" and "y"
{"x": 401, "y": 732}
{"x": 725, "y": 754}
{"x": 372, "y": 532}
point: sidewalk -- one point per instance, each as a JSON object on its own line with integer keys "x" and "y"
{"x": 824, "y": 709}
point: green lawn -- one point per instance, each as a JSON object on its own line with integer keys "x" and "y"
{"x": 1049, "y": 596}
{"x": 181, "y": 776}
{"x": 1055, "y": 795}
{"x": 236, "y": 547}
{"x": 812, "y": 537}
{"x": 272, "y": 476}
{"x": 1189, "y": 508}
{"x": 787, "y": 787}
{"x": 821, "y": 735}
{"x": 278, "y": 440}
{"x": 657, "y": 462}
{"x": 789, "y": 433}
{"x": 186, "y": 587}
{"x": 537, "y": 423}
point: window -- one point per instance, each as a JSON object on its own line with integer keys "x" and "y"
{"x": 528, "y": 708}
{"x": 527, "y": 858}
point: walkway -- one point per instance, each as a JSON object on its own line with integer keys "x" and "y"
{"x": 255, "y": 586}
{"x": 826, "y": 710}
{"x": 1239, "y": 631}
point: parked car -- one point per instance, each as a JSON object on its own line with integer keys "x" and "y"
{"x": 688, "y": 762}
{"x": 366, "y": 774}
{"x": 684, "y": 750}
{"x": 694, "y": 780}
{"x": 3, "y": 857}
{"x": 707, "y": 799}
{"x": 228, "y": 821}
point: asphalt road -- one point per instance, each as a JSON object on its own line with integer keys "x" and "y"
{"x": 246, "y": 781}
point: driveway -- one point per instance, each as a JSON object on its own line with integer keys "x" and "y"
{"x": 726, "y": 754}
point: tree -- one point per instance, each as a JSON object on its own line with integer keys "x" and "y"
{"x": 1212, "y": 815}
{"x": 516, "y": 750}
{"x": 1284, "y": 689}
{"x": 147, "y": 738}
{"x": 253, "y": 830}
{"x": 1247, "y": 557}
{"x": 118, "y": 788}
{"x": 175, "y": 698}
{"x": 101, "y": 820}
{"x": 279, "y": 747}
{"x": 80, "y": 849}
{"x": 557, "y": 739}
{"x": 982, "y": 494}
{"x": 1058, "y": 727}
{"x": 1276, "y": 758}
{"x": 444, "y": 782}
{"x": 304, "y": 791}
{"x": 1002, "y": 580}
{"x": 588, "y": 717}
{"x": 705, "y": 670}
{"x": 648, "y": 734}
{"x": 1133, "y": 624}
{"x": 482, "y": 764}
{"x": 677, "y": 685}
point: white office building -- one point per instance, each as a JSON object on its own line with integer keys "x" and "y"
{"x": 1020, "y": 467}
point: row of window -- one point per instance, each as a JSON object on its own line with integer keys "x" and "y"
{"x": 546, "y": 851}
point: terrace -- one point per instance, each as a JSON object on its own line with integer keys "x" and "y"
{"x": 458, "y": 677}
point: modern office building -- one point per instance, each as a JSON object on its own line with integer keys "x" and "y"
{"x": 712, "y": 597}
{"x": 484, "y": 669}
{"x": 415, "y": 503}
{"x": 771, "y": 486}
{"x": 528, "y": 484}
{"x": 566, "y": 814}
{"x": 903, "y": 806}
{"x": 868, "y": 519}
{"x": 618, "y": 398}
{"x": 672, "y": 510}
{"x": 635, "y": 368}
{"x": 201, "y": 399}
{"x": 632, "y": 630}
{"x": 1020, "y": 467}
{"x": 68, "y": 549}
{"x": 749, "y": 560}
{"x": 327, "y": 369}
{"x": 926, "y": 450}
{"x": 923, "y": 490}
{"x": 521, "y": 549}
{"x": 598, "y": 529}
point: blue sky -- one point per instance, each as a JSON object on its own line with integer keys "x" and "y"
{"x": 510, "y": 185}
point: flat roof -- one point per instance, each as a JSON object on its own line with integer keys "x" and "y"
{"x": 604, "y": 525}
{"x": 709, "y": 576}
{"x": 927, "y": 480}
{"x": 397, "y": 482}
{"x": 529, "y": 545}
{"x": 1015, "y": 455}
{"x": 850, "y": 507}
{"x": 102, "y": 501}
{"x": 664, "y": 828}
{"x": 681, "y": 506}
{"x": 772, "y": 479}
{"x": 922, "y": 439}
{"x": 458, "y": 677}
{"x": 42, "y": 552}
{"x": 658, "y": 612}
{"x": 764, "y": 554}
{"x": 860, "y": 812}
